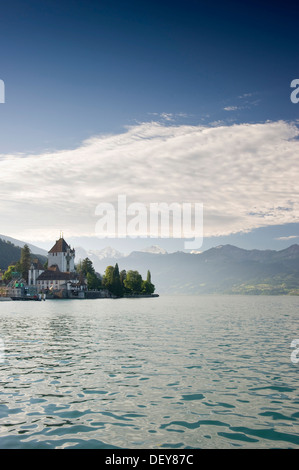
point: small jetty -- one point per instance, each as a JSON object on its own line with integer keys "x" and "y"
{"x": 36, "y": 298}
{"x": 17, "y": 289}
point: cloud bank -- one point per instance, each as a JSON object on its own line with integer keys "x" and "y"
{"x": 246, "y": 175}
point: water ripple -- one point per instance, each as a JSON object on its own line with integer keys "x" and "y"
{"x": 184, "y": 372}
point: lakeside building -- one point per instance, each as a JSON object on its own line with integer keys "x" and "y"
{"x": 62, "y": 256}
{"x": 35, "y": 270}
{"x": 57, "y": 279}
{"x": 60, "y": 279}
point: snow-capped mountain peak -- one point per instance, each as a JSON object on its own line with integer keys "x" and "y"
{"x": 154, "y": 249}
{"x": 107, "y": 252}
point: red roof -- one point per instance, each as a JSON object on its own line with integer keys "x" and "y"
{"x": 60, "y": 246}
{"x": 54, "y": 274}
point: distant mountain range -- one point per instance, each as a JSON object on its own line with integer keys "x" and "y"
{"x": 19, "y": 243}
{"x": 224, "y": 269}
{"x": 97, "y": 255}
{"x": 155, "y": 249}
{"x": 111, "y": 253}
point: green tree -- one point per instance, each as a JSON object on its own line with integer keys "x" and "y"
{"x": 129, "y": 282}
{"x": 147, "y": 287}
{"x": 85, "y": 266}
{"x": 18, "y": 268}
{"x": 9, "y": 273}
{"x": 108, "y": 277}
{"x": 111, "y": 280}
{"x": 116, "y": 284}
{"x": 25, "y": 261}
{"x": 86, "y": 270}
{"x": 133, "y": 282}
{"x": 122, "y": 276}
{"x": 93, "y": 281}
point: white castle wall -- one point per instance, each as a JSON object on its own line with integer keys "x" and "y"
{"x": 64, "y": 261}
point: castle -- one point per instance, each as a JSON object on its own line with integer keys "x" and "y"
{"x": 60, "y": 279}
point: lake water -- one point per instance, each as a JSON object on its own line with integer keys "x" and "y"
{"x": 168, "y": 372}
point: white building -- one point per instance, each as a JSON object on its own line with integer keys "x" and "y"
{"x": 60, "y": 274}
{"x": 54, "y": 279}
{"x": 35, "y": 270}
{"x": 62, "y": 256}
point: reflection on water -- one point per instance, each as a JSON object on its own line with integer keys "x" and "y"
{"x": 169, "y": 372}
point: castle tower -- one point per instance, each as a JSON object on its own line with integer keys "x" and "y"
{"x": 62, "y": 255}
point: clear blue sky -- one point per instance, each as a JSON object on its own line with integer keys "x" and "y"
{"x": 73, "y": 69}
{"x": 78, "y": 69}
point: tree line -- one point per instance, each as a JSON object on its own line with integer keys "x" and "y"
{"x": 119, "y": 283}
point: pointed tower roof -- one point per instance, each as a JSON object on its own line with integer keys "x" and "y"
{"x": 60, "y": 246}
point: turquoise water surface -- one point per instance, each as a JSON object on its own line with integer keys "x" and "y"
{"x": 167, "y": 372}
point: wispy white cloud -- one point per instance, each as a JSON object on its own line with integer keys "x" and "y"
{"x": 287, "y": 238}
{"x": 245, "y": 103}
{"x": 167, "y": 116}
{"x": 247, "y": 95}
{"x": 246, "y": 175}
{"x": 170, "y": 117}
{"x": 231, "y": 108}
